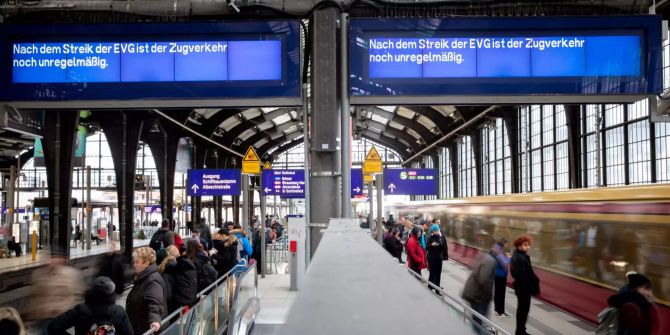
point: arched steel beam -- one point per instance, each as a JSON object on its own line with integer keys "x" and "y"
{"x": 393, "y": 131}
{"x": 268, "y": 133}
{"x": 387, "y": 142}
{"x": 441, "y": 121}
{"x": 233, "y": 133}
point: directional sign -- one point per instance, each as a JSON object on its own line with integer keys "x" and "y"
{"x": 214, "y": 182}
{"x": 356, "y": 182}
{"x": 373, "y": 162}
{"x": 410, "y": 181}
{"x": 251, "y": 164}
{"x": 285, "y": 183}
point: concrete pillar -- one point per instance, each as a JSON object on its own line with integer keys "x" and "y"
{"x": 59, "y": 138}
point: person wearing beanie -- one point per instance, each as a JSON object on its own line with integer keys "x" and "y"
{"x": 10, "y": 322}
{"x": 638, "y": 315}
{"x": 436, "y": 247}
{"x": 500, "y": 281}
{"x": 98, "y": 310}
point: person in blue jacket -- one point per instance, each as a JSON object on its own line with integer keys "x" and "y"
{"x": 500, "y": 280}
{"x": 241, "y": 235}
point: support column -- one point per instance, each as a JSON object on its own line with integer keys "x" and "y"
{"x": 453, "y": 159}
{"x": 572, "y": 119}
{"x": 476, "y": 142}
{"x": 60, "y": 133}
{"x": 164, "y": 150}
{"x": 512, "y": 125}
{"x": 196, "y": 202}
{"x": 123, "y": 138}
{"x": 325, "y": 133}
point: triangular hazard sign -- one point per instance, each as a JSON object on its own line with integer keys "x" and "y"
{"x": 251, "y": 156}
{"x": 373, "y": 155}
{"x": 267, "y": 165}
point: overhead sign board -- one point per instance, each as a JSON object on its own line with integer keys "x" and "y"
{"x": 410, "y": 181}
{"x": 582, "y": 56}
{"x": 373, "y": 162}
{"x": 356, "y": 182}
{"x": 214, "y": 182}
{"x": 251, "y": 164}
{"x": 284, "y": 183}
{"x": 197, "y": 61}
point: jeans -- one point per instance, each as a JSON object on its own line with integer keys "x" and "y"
{"x": 483, "y": 309}
{"x": 499, "y": 294}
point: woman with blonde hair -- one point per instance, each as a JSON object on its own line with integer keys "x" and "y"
{"x": 145, "y": 304}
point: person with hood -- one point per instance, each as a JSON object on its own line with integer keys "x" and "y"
{"x": 241, "y": 236}
{"x": 526, "y": 283}
{"x": 502, "y": 268}
{"x": 145, "y": 303}
{"x": 416, "y": 259}
{"x": 437, "y": 253}
{"x": 478, "y": 289}
{"x": 226, "y": 255}
{"x": 180, "y": 279}
{"x": 112, "y": 266}
{"x": 637, "y": 313}
{"x": 392, "y": 243}
{"x": 10, "y": 322}
{"x": 98, "y": 311}
{"x": 205, "y": 272}
{"x": 205, "y": 234}
{"x": 163, "y": 237}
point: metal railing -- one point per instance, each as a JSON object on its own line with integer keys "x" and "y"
{"x": 457, "y": 307}
{"x": 216, "y": 305}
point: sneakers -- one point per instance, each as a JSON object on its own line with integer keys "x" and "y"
{"x": 502, "y": 315}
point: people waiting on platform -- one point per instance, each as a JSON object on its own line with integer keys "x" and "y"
{"x": 14, "y": 246}
{"x": 478, "y": 290}
{"x": 416, "y": 258}
{"x": 637, "y": 312}
{"x": 205, "y": 234}
{"x": 163, "y": 237}
{"x": 392, "y": 243}
{"x": 437, "y": 253}
{"x": 500, "y": 282}
{"x": 206, "y": 274}
{"x": 145, "y": 304}
{"x": 241, "y": 236}
{"x": 526, "y": 283}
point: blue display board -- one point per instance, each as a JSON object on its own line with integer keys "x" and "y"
{"x": 226, "y": 60}
{"x": 505, "y": 56}
{"x": 356, "y": 182}
{"x": 284, "y": 183}
{"x": 214, "y": 182}
{"x": 410, "y": 181}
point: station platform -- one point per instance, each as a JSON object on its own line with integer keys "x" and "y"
{"x": 25, "y": 261}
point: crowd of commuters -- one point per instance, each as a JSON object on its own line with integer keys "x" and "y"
{"x": 166, "y": 275}
{"x": 425, "y": 247}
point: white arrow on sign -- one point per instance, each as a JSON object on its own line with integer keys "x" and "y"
{"x": 391, "y": 187}
{"x": 195, "y": 188}
{"x": 357, "y": 189}
{"x": 268, "y": 190}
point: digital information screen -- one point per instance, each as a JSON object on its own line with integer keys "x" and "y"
{"x": 109, "y": 62}
{"x": 505, "y": 56}
{"x": 144, "y": 65}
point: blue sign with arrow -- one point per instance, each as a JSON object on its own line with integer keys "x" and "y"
{"x": 284, "y": 183}
{"x": 214, "y": 182}
{"x": 356, "y": 182}
{"x": 410, "y": 181}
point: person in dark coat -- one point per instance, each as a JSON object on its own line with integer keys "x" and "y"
{"x": 145, "y": 303}
{"x": 205, "y": 234}
{"x": 226, "y": 255}
{"x": 502, "y": 269}
{"x": 112, "y": 266}
{"x": 478, "y": 289}
{"x": 637, "y": 313}
{"x": 99, "y": 309}
{"x": 206, "y": 274}
{"x": 526, "y": 283}
{"x": 392, "y": 243}
{"x": 416, "y": 259}
{"x": 180, "y": 277}
{"x": 437, "y": 253}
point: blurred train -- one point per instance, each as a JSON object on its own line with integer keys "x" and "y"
{"x": 584, "y": 240}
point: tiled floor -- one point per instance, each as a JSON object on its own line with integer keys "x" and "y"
{"x": 276, "y": 299}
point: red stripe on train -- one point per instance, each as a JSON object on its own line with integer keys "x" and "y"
{"x": 573, "y": 296}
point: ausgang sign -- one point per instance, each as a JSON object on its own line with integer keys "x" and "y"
{"x": 213, "y": 182}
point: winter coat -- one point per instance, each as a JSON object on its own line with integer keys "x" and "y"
{"x": 241, "y": 236}
{"x": 479, "y": 286}
{"x": 55, "y": 289}
{"x": 415, "y": 254}
{"x": 525, "y": 280}
{"x": 185, "y": 288}
{"x": 226, "y": 255}
{"x": 637, "y": 316}
{"x": 205, "y": 236}
{"x": 437, "y": 249}
{"x": 98, "y": 308}
{"x": 145, "y": 303}
{"x": 206, "y": 274}
{"x": 392, "y": 245}
{"x": 502, "y": 267}
{"x": 113, "y": 268}
{"x": 161, "y": 239}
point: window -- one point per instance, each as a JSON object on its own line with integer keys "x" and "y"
{"x": 663, "y": 151}
{"x": 496, "y": 158}
{"x": 466, "y": 168}
{"x": 446, "y": 176}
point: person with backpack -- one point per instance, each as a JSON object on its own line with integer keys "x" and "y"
{"x": 437, "y": 253}
{"x": 631, "y": 311}
{"x": 163, "y": 237}
{"x": 526, "y": 283}
{"x": 244, "y": 245}
{"x": 145, "y": 304}
{"x": 226, "y": 255}
{"x": 478, "y": 289}
{"x": 205, "y": 272}
{"x": 500, "y": 281}
{"x": 97, "y": 315}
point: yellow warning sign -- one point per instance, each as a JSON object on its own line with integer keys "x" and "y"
{"x": 367, "y": 178}
{"x": 373, "y": 162}
{"x": 251, "y": 164}
{"x": 267, "y": 165}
